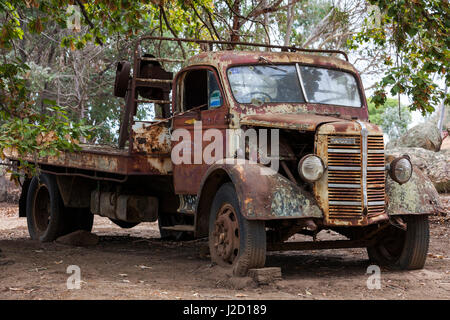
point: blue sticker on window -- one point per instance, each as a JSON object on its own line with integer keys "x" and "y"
{"x": 215, "y": 99}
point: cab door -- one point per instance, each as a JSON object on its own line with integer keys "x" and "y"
{"x": 199, "y": 96}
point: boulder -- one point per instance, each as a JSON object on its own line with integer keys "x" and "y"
{"x": 79, "y": 238}
{"x": 446, "y": 143}
{"x": 425, "y": 135}
{"x": 435, "y": 165}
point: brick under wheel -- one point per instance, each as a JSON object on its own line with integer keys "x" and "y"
{"x": 403, "y": 249}
{"x": 45, "y": 210}
{"x": 235, "y": 242}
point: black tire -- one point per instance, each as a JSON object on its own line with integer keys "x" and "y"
{"x": 124, "y": 224}
{"x": 45, "y": 209}
{"x": 250, "y": 250}
{"x": 169, "y": 220}
{"x": 400, "y": 249}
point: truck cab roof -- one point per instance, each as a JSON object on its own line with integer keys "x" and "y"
{"x": 227, "y": 58}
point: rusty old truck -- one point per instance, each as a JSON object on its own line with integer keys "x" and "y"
{"x": 331, "y": 172}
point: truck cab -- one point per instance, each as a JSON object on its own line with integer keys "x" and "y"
{"x": 248, "y": 148}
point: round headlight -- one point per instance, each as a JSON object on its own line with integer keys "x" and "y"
{"x": 401, "y": 169}
{"x": 311, "y": 168}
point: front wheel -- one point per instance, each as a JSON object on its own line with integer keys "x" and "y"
{"x": 234, "y": 241}
{"x": 403, "y": 249}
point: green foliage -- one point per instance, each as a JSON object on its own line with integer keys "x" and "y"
{"x": 40, "y": 135}
{"x": 388, "y": 118}
{"x": 419, "y": 33}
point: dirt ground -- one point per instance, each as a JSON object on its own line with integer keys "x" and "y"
{"x": 135, "y": 264}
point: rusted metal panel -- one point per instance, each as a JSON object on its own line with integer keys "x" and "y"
{"x": 264, "y": 194}
{"x": 75, "y": 191}
{"x": 228, "y": 58}
{"x": 187, "y": 176}
{"x": 151, "y": 138}
{"x": 130, "y": 208}
{"x": 104, "y": 160}
{"x": 287, "y": 121}
{"x": 417, "y": 196}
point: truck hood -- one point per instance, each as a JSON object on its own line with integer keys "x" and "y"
{"x": 306, "y": 122}
{"x": 310, "y": 122}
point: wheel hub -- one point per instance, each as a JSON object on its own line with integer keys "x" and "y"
{"x": 226, "y": 234}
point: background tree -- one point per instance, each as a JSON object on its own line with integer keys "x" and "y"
{"x": 413, "y": 35}
{"x": 387, "y": 116}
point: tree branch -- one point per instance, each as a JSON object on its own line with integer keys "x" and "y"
{"x": 163, "y": 12}
{"x": 89, "y": 22}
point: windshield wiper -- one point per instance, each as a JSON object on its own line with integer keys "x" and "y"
{"x": 270, "y": 64}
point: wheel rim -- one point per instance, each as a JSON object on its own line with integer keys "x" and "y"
{"x": 226, "y": 235}
{"x": 41, "y": 209}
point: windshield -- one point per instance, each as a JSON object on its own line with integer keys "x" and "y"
{"x": 293, "y": 84}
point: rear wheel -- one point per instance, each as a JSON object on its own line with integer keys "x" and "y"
{"x": 403, "y": 249}
{"x": 45, "y": 217}
{"x": 234, "y": 241}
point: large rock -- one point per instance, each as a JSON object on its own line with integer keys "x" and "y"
{"x": 425, "y": 135}
{"x": 436, "y": 165}
{"x": 445, "y": 144}
{"x": 80, "y": 238}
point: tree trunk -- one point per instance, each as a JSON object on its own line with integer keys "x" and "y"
{"x": 236, "y": 21}
{"x": 289, "y": 23}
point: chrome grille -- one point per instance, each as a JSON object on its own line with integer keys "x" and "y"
{"x": 375, "y": 175}
{"x": 345, "y": 177}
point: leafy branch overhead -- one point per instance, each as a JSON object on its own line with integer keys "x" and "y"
{"x": 416, "y": 36}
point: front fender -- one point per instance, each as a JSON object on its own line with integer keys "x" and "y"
{"x": 264, "y": 194}
{"x": 417, "y": 196}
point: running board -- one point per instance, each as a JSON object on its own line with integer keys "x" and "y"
{"x": 316, "y": 245}
{"x": 180, "y": 227}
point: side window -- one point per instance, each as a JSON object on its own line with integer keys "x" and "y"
{"x": 195, "y": 89}
{"x": 214, "y": 96}
{"x": 200, "y": 87}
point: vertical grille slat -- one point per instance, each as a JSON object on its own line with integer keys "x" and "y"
{"x": 345, "y": 186}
